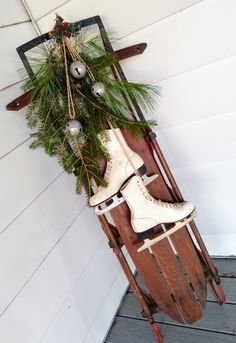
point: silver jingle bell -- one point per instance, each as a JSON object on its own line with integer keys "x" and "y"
{"x": 74, "y": 127}
{"x": 98, "y": 89}
{"x": 78, "y": 69}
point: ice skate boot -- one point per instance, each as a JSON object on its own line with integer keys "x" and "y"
{"x": 123, "y": 163}
{"x": 147, "y": 212}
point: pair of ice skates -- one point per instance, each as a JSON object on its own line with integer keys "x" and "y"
{"x": 123, "y": 175}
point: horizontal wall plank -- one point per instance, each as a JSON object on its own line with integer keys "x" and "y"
{"x": 102, "y": 323}
{"x": 198, "y": 94}
{"x": 133, "y": 330}
{"x": 11, "y": 37}
{"x": 24, "y": 174}
{"x": 204, "y": 141}
{"x": 116, "y": 15}
{"x": 200, "y": 35}
{"x": 80, "y": 255}
{"x": 81, "y": 306}
{"x": 13, "y": 13}
{"x": 221, "y": 244}
{"x": 206, "y": 182}
{"x": 43, "y": 7}
{"x": 12, "y": 124}
{"x": 216, "y": 216}
{"x": 215, "y": 318}
{"x": 69, "y": 323}
{"x": 210, "y": 186}
{"x": 33, "y": 235}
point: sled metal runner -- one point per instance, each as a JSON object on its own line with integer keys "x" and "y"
{"x": 175, "y": 270}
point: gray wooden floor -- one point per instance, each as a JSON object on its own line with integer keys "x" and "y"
{"x": 218, "y": 324}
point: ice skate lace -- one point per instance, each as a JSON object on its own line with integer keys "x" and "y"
{"x": 108, "y": 171}
{"x": 148, "y": 197}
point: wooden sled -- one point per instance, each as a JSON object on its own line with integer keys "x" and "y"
{"x": 176, "y": 269}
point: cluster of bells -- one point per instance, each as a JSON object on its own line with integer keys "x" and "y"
{"x": 78, "y": 70}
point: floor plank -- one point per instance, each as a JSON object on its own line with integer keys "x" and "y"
{"x": 134, "y": 330}
{"x": 217, "y": 325}
{"x": 226, "y": 266}
{"x": 229, "y": 286}
{"x": 216, "y": 317}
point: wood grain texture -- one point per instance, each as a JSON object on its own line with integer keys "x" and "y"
{"x": 165, "y": 258}
{"x": 229, "y": 286}
{"x": 153, "y": 279}
{"x": 177, "y": 282}
{"x": 192, "y": 266}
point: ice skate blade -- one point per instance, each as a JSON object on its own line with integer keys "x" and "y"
{"x": 178, "y": 225}
{"x": 141, "y": 171}
{"x": 117, "y": 199}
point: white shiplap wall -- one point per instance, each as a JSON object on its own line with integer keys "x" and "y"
{"x": 59, "y": 280}
{"x": 47, "y": 276}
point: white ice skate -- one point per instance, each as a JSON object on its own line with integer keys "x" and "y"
{"x": 147, "y": 212}
{"x": 123, "y": 163}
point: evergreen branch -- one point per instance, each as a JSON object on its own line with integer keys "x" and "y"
{"x": 57, "y": 96}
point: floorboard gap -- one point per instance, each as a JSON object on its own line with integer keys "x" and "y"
{"x": 178, "y": 325}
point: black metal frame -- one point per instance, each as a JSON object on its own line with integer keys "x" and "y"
{"x": 96, "y": 20}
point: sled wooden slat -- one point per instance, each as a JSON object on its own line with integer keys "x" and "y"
{"x": 184, "y": 247}
{"x": 145, "y": 263}
{"x": 181, "y": 239}
{"x": 177, "y": 282}
{"x": 193, "y": 269}
{"x": 229, "y": 285}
